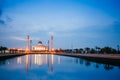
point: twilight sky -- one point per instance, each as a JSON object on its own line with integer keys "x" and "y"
{"x": 77, "y": 23}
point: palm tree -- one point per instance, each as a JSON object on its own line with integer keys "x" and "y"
{"x": 92, "y": 50}
{"x": 97, "y": 49}
{"x": 76, "y": 50}
{"x": 0, "y": 49}
{"x": 87, "y": 49}
{"x": 4, "y": 48}
{"x": 107, "y": 50}
{"x": 81, "y": 50}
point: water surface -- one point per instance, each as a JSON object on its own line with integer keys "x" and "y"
{"x": 55, "y": 67}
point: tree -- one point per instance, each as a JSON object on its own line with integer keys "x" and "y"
{"x": 68, "y": 50}
{"x": 4, "y": 48}
{"x": 76, "y": 50}
{"x": 92, "y": 50}
{"x": 108, "y": 50}
{"x": 97, "y": 49}
{"x": 0, "y": 49}
{"x": 87, "y": 49}
{"x": 81, "y": 50}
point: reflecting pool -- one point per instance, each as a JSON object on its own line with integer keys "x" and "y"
{"x": 55, "y": 67}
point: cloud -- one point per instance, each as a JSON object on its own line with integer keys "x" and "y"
{"x": 23, "y": 38}
{"x": 1, "y": 12}
{"x": 3, "y": 18}
{"x": 18, "y": 38}
{"x": 55, "y": 19}
{"x": 34, "y": 38}
{"x": 50, "y": 33}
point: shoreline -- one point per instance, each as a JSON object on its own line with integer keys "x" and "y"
{"x": 10, "y": 55}
{"x": 111, "y": 59}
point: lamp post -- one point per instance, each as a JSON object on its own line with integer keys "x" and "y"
{"x": 118, "y": 48}
{"x": 48, "y": 45}
{"x": 30, "y": 45}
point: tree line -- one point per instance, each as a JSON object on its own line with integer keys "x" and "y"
{"x": 3, "y": 50}
{"x": 104, "y": 50}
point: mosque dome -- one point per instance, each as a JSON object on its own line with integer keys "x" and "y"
{"x": 40, "y": 43}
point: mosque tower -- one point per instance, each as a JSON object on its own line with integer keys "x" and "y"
{"x": 28, "y": 44}
{"x": 51, "y": 44}
{"x": 28, "y": 40}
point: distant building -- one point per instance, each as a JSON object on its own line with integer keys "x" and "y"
{"x": 40, "y": 47}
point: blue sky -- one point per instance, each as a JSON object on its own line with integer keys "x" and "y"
{"x": 77, "y": 23}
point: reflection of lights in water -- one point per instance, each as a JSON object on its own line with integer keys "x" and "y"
{"x": 46, "y": 59}
{"x": 27, "y": 57}
{"x": 38, "y": 60}
{"x": 35, "y": 59}
{"x": 52, "y": 58}
{"x": 58, "y": 59}
{"x": 51, "y": 63}
{"x": 19, "y": 60}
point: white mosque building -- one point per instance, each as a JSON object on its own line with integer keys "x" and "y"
{"x": 40, "y": 47}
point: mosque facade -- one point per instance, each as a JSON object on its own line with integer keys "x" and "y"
{"x": 40, "y": 47}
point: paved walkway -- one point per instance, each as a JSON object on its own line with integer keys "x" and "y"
{"x": 110, "y": 56}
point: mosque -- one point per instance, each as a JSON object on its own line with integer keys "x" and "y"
{"x": 40, "y": 47}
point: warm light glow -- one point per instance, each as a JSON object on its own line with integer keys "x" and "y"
{"x": 35, "y": 60}
{"x": 39, "y": 48}
{"x": 46, "y": 59}
{"x": 27, "y": 59}
{"x": 52, "y": 58}
{"x": 38, "y": 60}
{"x": 27, "y": 50}
{"x": 20, "y": 49}
{"x": 19, "y": 60}
{"x": 58, "y": 59}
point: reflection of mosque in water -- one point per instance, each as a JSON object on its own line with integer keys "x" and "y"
{"x": 48, "y": 60}
{"x": 38, "y": 60}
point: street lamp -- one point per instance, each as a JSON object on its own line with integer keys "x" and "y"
{"x": 118, "y": 48}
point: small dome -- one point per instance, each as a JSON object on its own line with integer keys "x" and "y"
{"x": 40, "y": 42}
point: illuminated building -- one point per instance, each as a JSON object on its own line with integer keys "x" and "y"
{"x": 40, "y": 47}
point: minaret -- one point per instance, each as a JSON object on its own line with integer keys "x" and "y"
{"x": 48, "y": 46}
{"x": 28, "y": 40}
{"x": 28, "y": 44}
{"x": 51, "y": 44}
